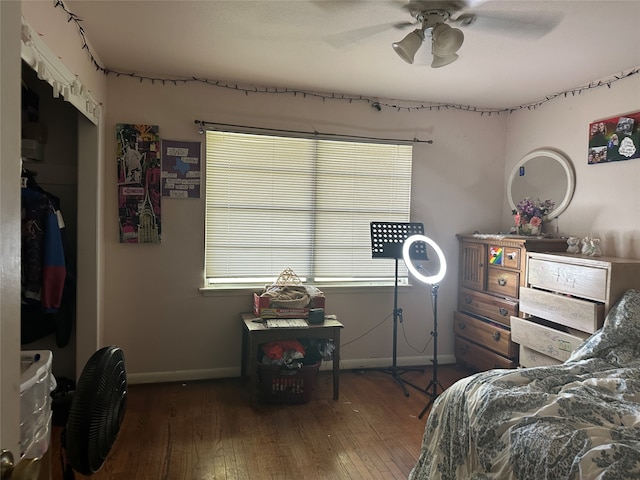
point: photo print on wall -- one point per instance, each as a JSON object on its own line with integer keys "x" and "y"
{"x": 614, "y": 139}
{"x": 138, "y": 157}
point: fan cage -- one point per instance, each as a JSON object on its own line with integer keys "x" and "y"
{"x": 97, "y": 410}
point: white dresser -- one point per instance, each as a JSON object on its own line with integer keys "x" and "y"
{"x": 565, "y": 300}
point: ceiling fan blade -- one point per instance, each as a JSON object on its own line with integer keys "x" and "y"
{"x": 418, "y": 6}
{"x": 353, "y": 36}
{"x": 341, "y": 5}
{"x": 530, "y": 25}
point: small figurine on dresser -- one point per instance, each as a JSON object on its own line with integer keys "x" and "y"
{"x": 573, "y": 245}
{"x": 591, "y": 247}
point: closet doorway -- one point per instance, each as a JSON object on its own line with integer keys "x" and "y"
{"x": 50, "y": 165}
{"x": 65, "y": 166}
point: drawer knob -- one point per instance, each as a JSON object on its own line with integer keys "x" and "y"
{"x": 496, "y": 336}
{"x": 502, "y": 282}
{"x": 503, "y": 311}
{"x": 467, "y": 299}
{"x": 462, "y": 326}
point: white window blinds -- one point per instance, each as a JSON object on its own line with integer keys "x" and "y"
{"x": 276, "y": 202}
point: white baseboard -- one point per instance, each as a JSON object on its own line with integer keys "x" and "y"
{"x": 230, "y": 372}
{"x": 355, "y": 364}
{"x": 183, "y": 375}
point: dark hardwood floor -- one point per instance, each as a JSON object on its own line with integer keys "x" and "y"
{"x": 209, "y": 430}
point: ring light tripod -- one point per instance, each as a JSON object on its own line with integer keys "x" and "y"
{"x": 433, "y": 280}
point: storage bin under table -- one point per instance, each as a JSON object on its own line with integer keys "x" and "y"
{"x": 278, "y": 384}
{"x": 255, "y": 332}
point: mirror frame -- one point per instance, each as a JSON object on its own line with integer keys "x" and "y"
{"x": 567, "y": 167}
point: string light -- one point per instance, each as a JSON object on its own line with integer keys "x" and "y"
{"x": 375, "y": 103}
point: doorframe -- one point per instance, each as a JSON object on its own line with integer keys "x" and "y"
{"x": 19, "y": 42}
{"x": 10, "y": 76}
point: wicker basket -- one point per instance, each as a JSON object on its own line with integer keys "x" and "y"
{"x": 281, "y": 385}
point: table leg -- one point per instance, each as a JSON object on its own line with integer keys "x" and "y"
{"x": 253, "y": 368}
{"x": 336, "y": 364}
{"x": 245, "y": 351}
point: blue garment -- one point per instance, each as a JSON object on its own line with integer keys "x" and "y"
{"x": 43, "y": 262}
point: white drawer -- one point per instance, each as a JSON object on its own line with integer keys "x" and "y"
{"x": 546, "y": 340}
{"x": 581, "y": 280}
{"x": 531, "y": 358}
{"x": 568, "y": 311}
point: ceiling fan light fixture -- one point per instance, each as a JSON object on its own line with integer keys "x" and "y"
{"x": 409, "y": 45}
{"x": 446, "y": 40}
{"x": 441, "y": 61}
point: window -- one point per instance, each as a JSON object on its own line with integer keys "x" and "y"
{"x": 277, "y": 202}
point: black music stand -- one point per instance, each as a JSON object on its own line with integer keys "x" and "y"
{"x": 387, "y": 240}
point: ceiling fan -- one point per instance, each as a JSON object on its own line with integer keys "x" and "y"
{"x": 445, "y": 40}
{"x": 435, "y": 18}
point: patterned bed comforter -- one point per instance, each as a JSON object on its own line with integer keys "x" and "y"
{"x": 578, "y": 420}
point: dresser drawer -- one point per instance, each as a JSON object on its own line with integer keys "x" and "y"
{"x": 579, "y": 280}
{"x": 508, "y": 257}
{"x": 572, "y": 312}
{"x": 503, "y": 282}
{"x": 474, "y": 356}
{"x": 497, "y": 309}
{"x": 488, "y": 334}
{"x": 545, "y": 339}
{"x": 531, "y": 358}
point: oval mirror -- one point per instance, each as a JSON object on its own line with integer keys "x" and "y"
{"x": 544, "y": 174}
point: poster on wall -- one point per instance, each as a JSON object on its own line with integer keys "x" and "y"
{"x": 181, "y": 169}
{"x": 614, "y": 139}
{"x": 138, "y": 157}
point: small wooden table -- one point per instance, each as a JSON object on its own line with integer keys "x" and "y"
{"x": 255, "y": 332}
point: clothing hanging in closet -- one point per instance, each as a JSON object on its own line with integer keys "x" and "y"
{"x": 44, "y": 272}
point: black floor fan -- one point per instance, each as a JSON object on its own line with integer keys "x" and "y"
{"x": 96, "y": 413}
{"x": 387, "y": 240}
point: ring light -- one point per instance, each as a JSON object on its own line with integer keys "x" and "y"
{"x": 431, "y": 279}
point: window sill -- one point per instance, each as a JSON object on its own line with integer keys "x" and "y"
{"x": 363, "y": 287}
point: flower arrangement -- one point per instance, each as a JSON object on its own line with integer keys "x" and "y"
{"x": 530, "y": 213}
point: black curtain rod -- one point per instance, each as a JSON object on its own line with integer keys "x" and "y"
{"x": 266, "y": 131}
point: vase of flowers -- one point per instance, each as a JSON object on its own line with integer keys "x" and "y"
{"x": 529, "y": 215}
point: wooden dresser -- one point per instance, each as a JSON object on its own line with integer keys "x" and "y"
{"x": 566, "y": 299}
{"x": 491, "y": 271}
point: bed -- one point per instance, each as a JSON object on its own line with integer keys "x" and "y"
{"x": 577, "y": 420}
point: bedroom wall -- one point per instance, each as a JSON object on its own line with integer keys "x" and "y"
{"x": 170, "y": 331}
{"x": 606, "y": 203}
{"x": 154, "y": 309}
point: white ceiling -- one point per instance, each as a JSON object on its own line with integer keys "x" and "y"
{"x": 290, "y": 44}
